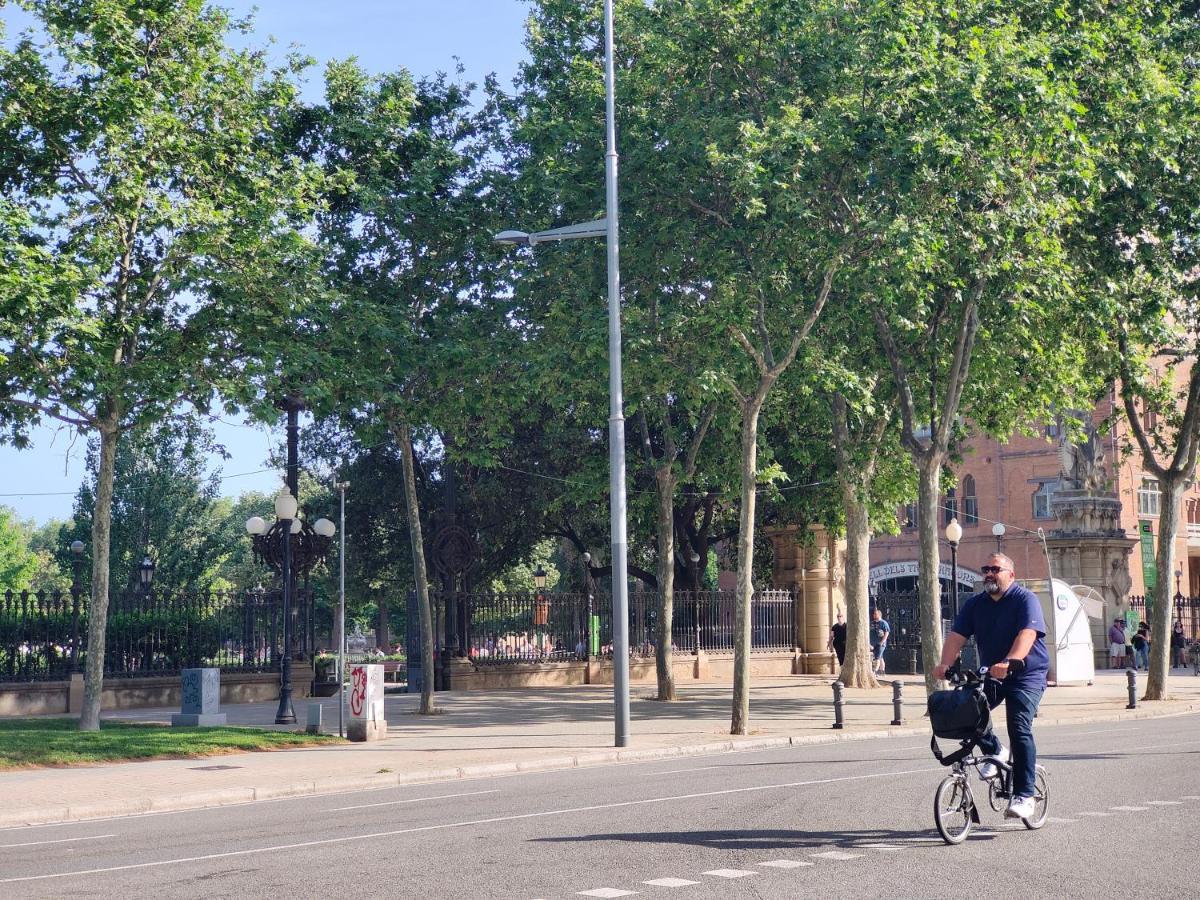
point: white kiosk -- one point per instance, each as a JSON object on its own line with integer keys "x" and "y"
{"x": 1068, "y": 631}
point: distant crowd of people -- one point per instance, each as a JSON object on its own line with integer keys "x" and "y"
{"x": 1126, "y": 652}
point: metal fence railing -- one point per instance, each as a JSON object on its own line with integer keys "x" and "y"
{"x": 1186, "y": 610}
{"x": 43, "y": 636}
{"x": 498, "y": 628}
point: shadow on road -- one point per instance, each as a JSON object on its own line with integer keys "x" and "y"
{"x": 759, "y": 839}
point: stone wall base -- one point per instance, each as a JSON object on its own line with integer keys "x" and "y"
{"x": 712, "y": 667}
{"x": 47, "y": 698}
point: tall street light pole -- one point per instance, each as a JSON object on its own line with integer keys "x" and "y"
{"x": 341, "y": 665}
{"x": 607, "y": 227}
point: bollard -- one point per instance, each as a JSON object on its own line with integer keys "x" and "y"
{"x": 837, "y": 704}
{"x": 1131, "y": 675}
{"x": 897, "y": 702}
{"x": 313, "y": 725}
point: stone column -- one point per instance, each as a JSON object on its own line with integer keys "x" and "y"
{"x": 814, "y": 571}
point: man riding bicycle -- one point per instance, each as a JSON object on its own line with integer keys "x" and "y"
{"x": 1006, "y": 622}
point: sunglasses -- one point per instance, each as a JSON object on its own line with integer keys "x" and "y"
{"x": 992, "y": 570}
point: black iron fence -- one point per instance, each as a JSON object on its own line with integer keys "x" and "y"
{"x": 901, "y": 609}
{"x": 500, "y": 628}
{"x": 43, "y": 636}
{"x": 1186, "y": 610}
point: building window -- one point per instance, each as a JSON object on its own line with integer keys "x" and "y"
{"x": 950, "y": 506}
{"x": 1041, "y": 499}
{"x": 910, "y": 515}
{"x": 1148, "y": 497}
{"x": 970, "y": 502}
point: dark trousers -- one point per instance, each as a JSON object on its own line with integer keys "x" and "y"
{"x": 1020, "y": 706}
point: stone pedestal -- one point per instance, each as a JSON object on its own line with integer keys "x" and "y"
{"x": 1089, "y": 547}
{"x": 367, "y": 722}
{"x": 201, "y": 698}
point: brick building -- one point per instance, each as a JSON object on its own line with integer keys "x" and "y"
{"x": 1014, "y": 483}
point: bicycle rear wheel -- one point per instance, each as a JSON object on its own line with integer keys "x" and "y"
{"x": 1041, "y": 801}
{"x": 952, "y": 808}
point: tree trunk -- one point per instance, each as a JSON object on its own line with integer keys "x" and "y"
{"x": 1164, "y": 604}
{"x": 930, "y": 596}
{"x": 740, "y": 723}
{"x": 664, "y": 478}
{"x": 856, "y": 670}
{"x": 417, "y": 540}
{"x": 93, "y": 679}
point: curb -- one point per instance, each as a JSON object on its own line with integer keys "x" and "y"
{"x": 209, "y": 799}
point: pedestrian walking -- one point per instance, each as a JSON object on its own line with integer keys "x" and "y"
{"x": 880, "y": 632}
{"x": 837, "y": 638}
{"x": 1116, "y": 644}
{"x": 1141, "y": 647}
{"x": 1178, "y": 646}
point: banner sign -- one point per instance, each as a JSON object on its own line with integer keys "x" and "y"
{"x": 1149, "y": 568}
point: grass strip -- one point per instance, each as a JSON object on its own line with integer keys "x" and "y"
{"x": 59, "y": 742}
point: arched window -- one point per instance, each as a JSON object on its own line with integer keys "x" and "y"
{"x": 970, "y": 502}
{"x": 951, "y": 506}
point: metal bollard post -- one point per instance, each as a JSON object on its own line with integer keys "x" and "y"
{"x": 1131, "y": 675}
{"x": 837, "y": 704}
{"x": 897, "y": 702}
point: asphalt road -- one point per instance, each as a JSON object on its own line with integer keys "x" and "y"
{"x": 851, "y": 819}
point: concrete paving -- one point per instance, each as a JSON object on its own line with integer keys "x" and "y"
{"x": 498, "y": 732}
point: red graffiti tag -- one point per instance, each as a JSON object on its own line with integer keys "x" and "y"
{"x": 358, "y": 690}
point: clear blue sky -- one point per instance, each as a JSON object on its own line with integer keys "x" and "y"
{"x": 423, "y": 36}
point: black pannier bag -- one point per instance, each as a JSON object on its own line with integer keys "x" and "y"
{"x": 958, "y": 714}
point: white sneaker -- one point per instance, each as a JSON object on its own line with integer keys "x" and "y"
{"x": 989, "y": 770}
{"x": 1020, "y": 808}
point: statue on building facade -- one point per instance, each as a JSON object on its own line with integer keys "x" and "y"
{"x": 1081, "y": 465}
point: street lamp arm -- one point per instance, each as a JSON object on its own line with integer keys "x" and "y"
{"x": 596, "y": 229}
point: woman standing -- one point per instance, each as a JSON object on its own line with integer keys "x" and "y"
{"x": 1178, "y": 646}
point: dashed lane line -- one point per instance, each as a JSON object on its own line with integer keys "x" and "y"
{"x": 785, "y": 863}
{"x": 1164, "y": 803}
{"x": 606, "y": 892}
{"x": 837, "y": 854}
{"x": 414, "y": 800}
{"x": 1129, "y": 808}
{"x": 670, "y": 882}
{"x": 729, "y": 873}
{"x": 91, "y": 837}
{"x": 1094, "y": 815}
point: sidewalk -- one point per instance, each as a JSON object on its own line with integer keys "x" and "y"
{"x": 498, "y": 732}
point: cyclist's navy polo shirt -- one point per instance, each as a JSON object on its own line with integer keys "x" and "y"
{"x": 995, "y": 623}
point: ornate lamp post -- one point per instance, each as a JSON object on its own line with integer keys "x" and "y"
{"x": 541, "y": 606}
{"x": 289, "y": 547}
{"x": 954, "y": 534}
{"x": 146, "y": 574}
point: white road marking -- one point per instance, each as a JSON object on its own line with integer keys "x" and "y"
{"x": 883, "y": 848}
{"x": 1013, "y": 825}
{"x": 837, "y": 854}
{"x": 785, "y": 863}
{"x": 1160, "y": 746}
{"x": 1191, "y": 797}
{"x": 1058, "y": 821}
{"x": 93, "y": 837}
{"x": 1129, "y": 808}
{"x": 413, "y": 800}
{"x": 606, "y": 892}
{"x": 1094, "y": 815}
{"x": 441, "y": 826}
{"x": 670, "y": 882}
{"x": 729, "y": 873}
{"x": 677, "y": 771}
{"x": 1164, "y": 803}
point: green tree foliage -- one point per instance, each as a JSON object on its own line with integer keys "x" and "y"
{"x": 164, "y": 507}
{"x": 140, "y": 171}
{"x": 1139, "y": 252}
{"x": 18, "y": 564}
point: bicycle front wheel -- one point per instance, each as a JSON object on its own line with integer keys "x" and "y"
{"x": 952, "y": 807}
{"x": 1041, "y": 801}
